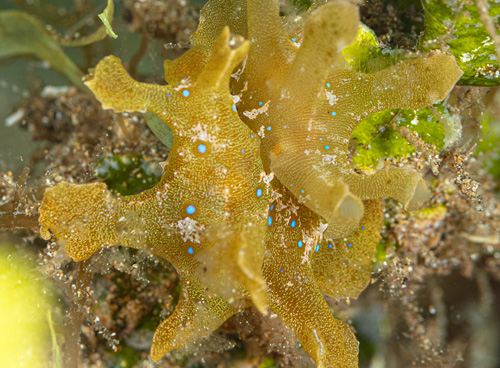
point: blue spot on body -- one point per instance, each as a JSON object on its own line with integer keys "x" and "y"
{"x": 293, "y": 39}
{"x": 259, "y": 192}
{"x": 302, "y": 191}
{"x": 321, "y": 139}
{"x": 260, "y": 103}
{"x": 334, "y": 113}
{"x": 269, "y": 128}
{"x": 202, "y": 148}
{"x": 317, "y": 248}
{"x": 327, "y": 147}
{"x": 242, "y": 150}
{"x": 269, "y": 221}
{"x": 234, "y": 107}
{"x": 186, "y": 93}
{"x": 190, "y": 209}
{"x": 328, "y": 85}
{"x": 190, "y": 250}
{"x": 293, "y": 223}
{"x": 281, "y": 270}
{"x": 349, "y": 245}
{"x": 251, "y": 136}
{"x": 362, "y": 227}
{"x": 330, "y": 246}
{"x": 272, "y": 206}
{"x": 168, "y": 94}
{"x": 300, "y": 243}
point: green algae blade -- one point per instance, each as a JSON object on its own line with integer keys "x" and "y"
{"x": 107, "y": 18}
{"x": 488, "y": 144}
{"x": 56, "y": 350}
{"x": 128, "y": 174}
{"x": 21, "y": 34}
{"x": 377, "y": 136}
{"x": 302, "y": 4}
{"x": 366, "y": 55}
{"x": 99, "y": 34}
{"x": 159, "y": 129}
{"x": 461, "y": 30}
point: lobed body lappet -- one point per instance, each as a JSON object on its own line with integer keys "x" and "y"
{"x": 258, "y": 203}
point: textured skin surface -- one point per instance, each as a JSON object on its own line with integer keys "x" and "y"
{"x": 315, "y": 102}
{"x": 257, "y": 203}
{"x": 228, "y": 222}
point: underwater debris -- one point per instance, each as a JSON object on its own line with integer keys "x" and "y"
{"x": 172, "y": 21}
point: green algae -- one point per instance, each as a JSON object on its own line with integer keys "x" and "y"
{"x": 488, "y": 144}
{"x": 56, "y": 349}
{"x": 459, "y": 29}
{"x": 22, "y": 34}
{"x": 377, "y": 136}
{"x": 128, "y": 174}
{"x": 107, "y": 19}
{"x": 159, "y": 129}
{"x": 367, "y": 55}
{"x": 267, "y": 363}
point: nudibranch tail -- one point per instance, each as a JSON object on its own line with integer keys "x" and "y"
{"x": 294, "y": 293}
{"x": 342, "y": 267}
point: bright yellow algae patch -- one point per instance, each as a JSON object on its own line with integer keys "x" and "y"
{"x": 24, "y": 302}
{"x": 258, "y": 202}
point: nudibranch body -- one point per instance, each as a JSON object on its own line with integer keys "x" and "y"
{"x": 257, "y": 203}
